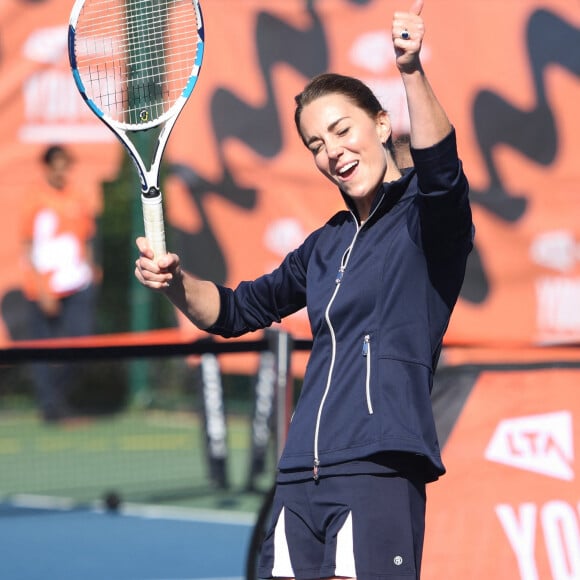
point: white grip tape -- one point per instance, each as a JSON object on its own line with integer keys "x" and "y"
{"x": 154, "y": 225}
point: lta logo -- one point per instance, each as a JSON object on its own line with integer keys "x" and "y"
{"x": 540, "y": 443}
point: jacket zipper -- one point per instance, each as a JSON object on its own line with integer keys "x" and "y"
{"x": 338, "y": 280}
{"x": 367, "y": 354}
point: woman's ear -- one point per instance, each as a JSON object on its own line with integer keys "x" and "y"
{"x": 383, "y": 127}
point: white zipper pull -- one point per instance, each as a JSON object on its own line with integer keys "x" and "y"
{"x": 366, "y": 341}
{"x": 315, "y": 469}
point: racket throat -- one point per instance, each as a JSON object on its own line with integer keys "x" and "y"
{"x": 145, "y": 152}
{"x": 151, "y": 192}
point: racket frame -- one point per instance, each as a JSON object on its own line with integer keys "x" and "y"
{"x": 151, "y": 196}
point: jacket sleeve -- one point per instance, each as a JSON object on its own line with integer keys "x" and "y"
{"x": 257, "y": 304}
{"x": 443, "y": 200}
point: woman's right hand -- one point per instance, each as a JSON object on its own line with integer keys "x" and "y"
{"x": 155, "y": 274}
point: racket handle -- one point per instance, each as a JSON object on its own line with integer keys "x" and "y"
{"x": 154, "y": 225}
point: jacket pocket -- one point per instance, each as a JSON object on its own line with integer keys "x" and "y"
{"x": 366, "y": 351}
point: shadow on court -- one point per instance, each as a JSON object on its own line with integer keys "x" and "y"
{"x": 138, "y": 543}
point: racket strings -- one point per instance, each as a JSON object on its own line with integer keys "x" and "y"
{"x": 135, "y": 58}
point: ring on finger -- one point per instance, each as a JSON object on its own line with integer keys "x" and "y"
{"x": 405, "y": 34}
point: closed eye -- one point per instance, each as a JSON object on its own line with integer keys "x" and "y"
{"x": 339, "y": 127}
{"x": 315, "y": 147}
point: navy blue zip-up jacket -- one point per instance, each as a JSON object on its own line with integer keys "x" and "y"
{"x": 379, "y": 298}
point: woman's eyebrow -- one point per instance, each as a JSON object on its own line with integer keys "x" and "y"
{"x": 330, "y": 128}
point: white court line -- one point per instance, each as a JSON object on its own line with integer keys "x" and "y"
{"x": 191, "y": 514}
{"x": 135, "y": 510}
{"x": 40, "y": 501}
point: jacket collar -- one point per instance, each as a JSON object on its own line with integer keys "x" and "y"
{"x": 387, "y": 196}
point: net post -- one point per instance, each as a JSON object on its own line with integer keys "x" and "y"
{"x": 281, "y": 344}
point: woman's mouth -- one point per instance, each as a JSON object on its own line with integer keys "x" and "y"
{"x": 347, "y": 170}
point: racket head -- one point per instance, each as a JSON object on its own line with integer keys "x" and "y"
{"x": 136, "y": 62}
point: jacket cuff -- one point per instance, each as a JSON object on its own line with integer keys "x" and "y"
{"x": 218, "y": 327}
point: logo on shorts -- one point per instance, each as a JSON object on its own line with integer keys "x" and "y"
{"x": 398, "y": 560}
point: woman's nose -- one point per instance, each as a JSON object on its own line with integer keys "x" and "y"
{"x": 334, "y": 150}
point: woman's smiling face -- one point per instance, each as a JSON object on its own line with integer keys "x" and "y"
{"x": 347, "y": 145}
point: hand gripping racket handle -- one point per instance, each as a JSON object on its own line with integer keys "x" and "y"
{"x": 154, "y": 225}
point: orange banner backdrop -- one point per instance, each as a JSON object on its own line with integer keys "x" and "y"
{"x": 40, "y": 106}
{"x": 509, "y": 505}
{"x": 242, "y": 190}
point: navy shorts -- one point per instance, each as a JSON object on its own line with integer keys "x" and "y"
{"x": 356, "y": 526}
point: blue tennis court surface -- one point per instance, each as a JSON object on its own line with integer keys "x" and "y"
{"x": 48, "y": 542}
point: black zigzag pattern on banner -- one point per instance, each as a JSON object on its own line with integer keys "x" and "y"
{"x": 550, "y": 40}
{"x": 259, "y": 128}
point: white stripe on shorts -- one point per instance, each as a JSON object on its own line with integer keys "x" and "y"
{"x": 282, "y": 565}
{"x": 345, "y": 551}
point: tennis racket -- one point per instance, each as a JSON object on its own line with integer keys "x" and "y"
{"x": 135, "y": 63}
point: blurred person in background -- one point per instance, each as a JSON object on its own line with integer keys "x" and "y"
{"x": 60, "y": 274}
